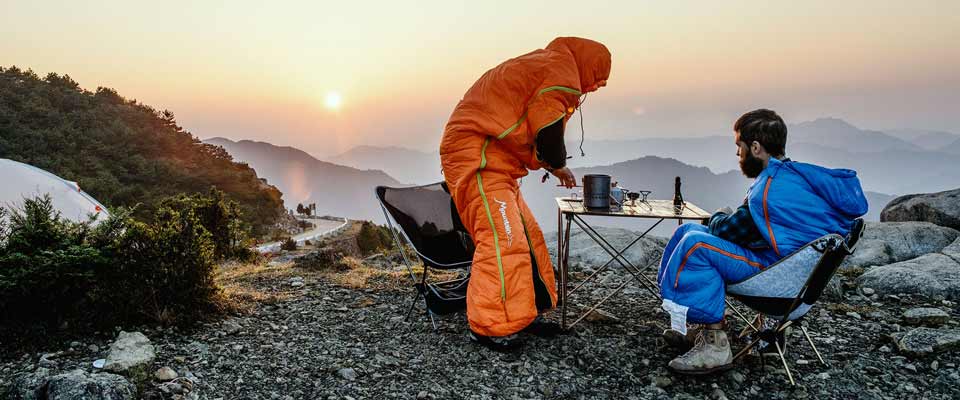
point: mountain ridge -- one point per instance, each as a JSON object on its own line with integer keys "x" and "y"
{"x": 419, "y": 166}
{"x": 123, "y": 152}
{"x": 914, "y": 170}
{"x": 337, "y": 189}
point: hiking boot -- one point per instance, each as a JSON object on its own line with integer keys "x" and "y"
{"x": 710, "y": 353}
{"x": 500, "y": 344}
{"x": 680, "y": 341}
{"x": 544, "y": 329}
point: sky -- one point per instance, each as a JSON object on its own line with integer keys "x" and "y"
{"x": 269, "y": 70}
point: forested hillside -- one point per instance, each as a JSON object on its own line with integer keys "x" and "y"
{"x": 120, "y": 151}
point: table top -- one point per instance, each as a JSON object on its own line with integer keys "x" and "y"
{"x": 648, "y": 209}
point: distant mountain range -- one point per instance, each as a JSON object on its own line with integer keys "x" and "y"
{"x": 897, "y": 163}
{"x": 837, "y": 133}
{"x": 336, "y": 189}
{"x": 928, "y": 140}
{"x": 886, "y": 163}
{"x": 417, "y": 167}
{"x": 952, "y": 148}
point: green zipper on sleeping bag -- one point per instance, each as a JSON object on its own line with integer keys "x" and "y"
{"x": 486, "y": 207}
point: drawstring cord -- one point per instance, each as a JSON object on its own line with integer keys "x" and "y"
{"x": 580, "y": 111}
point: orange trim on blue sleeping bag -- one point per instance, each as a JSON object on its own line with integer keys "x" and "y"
{"x": 722, "y": 252}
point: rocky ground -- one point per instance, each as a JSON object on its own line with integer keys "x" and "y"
{"x": 341, "y": 335}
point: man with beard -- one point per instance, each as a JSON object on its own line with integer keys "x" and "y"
{"x": 788, "y": 205}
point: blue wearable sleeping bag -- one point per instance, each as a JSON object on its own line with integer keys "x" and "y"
{"x": 791, "y": 203}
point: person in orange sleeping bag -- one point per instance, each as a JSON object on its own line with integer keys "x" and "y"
{"x": 511, "y": 121}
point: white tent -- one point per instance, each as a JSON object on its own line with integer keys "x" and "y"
{"x": 19, "y": 181}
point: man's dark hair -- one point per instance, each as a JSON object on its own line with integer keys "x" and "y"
{"x": 763, "y": 126}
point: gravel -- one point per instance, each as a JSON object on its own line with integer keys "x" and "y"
{"x": 325, "y": 341}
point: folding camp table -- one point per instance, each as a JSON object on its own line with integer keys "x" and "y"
{"x": 572, "y": 211}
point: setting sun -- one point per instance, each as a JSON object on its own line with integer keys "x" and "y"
{"x": 332, "y": 101}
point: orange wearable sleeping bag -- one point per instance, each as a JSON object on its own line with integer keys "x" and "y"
{"x": 488, "y": 143}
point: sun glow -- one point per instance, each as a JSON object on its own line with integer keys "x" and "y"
{"x": 332, "y": 101}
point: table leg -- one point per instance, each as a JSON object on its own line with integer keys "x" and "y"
{"x": 626, "y": 264}
{"x": 564, "y": 269}
{"x": 611, "y": 260}
{"x": 559, "y": 264}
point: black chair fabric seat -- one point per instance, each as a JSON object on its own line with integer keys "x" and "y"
{"x": 429, "y": 223}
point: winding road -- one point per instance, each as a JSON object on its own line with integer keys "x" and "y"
{"x": 320, "y": 227}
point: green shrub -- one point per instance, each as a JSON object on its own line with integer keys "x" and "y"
{"x": 288, "y": 244}
{"x": 220, "y": 217}
{"x": 373, "y": 238}
{"x": 162, "y": 271}
{"x": 44, "y": 262}
{"x": 120, "y": 271}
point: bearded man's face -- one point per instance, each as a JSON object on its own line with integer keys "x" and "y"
{"x": 750, "y": 166}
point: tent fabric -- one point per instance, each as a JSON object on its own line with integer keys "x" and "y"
{"x": 487, "y": 144}
{"x": 23, "y": 181}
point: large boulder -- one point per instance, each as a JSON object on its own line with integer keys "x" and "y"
{"x": 934, "y": 274}
{"x": 29, "y": 386}
{"x": 927, "y": 341}
{"x": 941, "y": 208}
{"x": 587, "y": 254}
{"x": 73, "y": 385}
{"x": 891, "y": 242}
{"x": 79, "y": 385}
{"x": 926, "y": 316}
{"x": 132, "y": 355}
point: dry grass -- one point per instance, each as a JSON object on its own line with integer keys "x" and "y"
{"x": 843, "y": 308}
{"x": 360, "y": 276}
{"x": 246, "y": 284}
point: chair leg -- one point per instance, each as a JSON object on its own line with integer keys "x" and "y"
{"x": 784, "y": 360}
{"x": 745, "y": 349}
{"x": 750, "y": 326}
{"x": 814, "y": 347}
{"x": 432, "y": 320}
{"x": 784, "y": 332}
{"x": 741, "y": 316}
{"x": 413, "y": 304}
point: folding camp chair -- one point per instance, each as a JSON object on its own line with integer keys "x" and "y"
{"x": 430, "y": 224}
{"x": 787, "y": 290}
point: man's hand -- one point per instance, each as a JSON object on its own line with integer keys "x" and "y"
{"x": 565, "y": 176}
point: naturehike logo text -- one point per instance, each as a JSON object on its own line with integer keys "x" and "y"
{"x": 506, "y": 222}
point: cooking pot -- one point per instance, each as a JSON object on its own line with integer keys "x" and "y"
{"x": 596, "y": 191}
